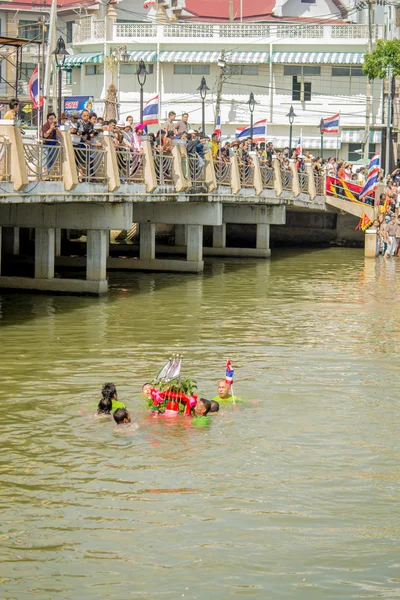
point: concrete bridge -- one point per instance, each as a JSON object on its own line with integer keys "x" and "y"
{"x": 62, "y": 187}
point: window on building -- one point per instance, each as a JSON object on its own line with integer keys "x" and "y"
{"x": 249, "y": 69}
{"x": 131, "y": 68}
{"x": 68, "y": 77}
{"x": 301, "y": 90}
{"x": 191, "y": 69}
{"x": 309, "y": 1}
{"x": 30, "y": 30}
{"x": 94, "y": 69}
{"x": 356, "y": 151}
{"x": 347, "y": 72}
{"x": 69, "y": 31}
{"x": 26, "y": 70}
{"x": 291, "y": 70}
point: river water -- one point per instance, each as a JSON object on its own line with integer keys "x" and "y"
{"x": 294, "y": 496}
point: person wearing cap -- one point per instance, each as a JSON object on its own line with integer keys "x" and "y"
{"x": 137, "y": 138}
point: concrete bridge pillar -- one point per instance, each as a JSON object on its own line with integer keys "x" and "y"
{"x": 262, "y": 236}
{"x": 44, "y": 252}
{"x": 219, "y": 236}
{"x": 147, "y": 241}
{"x": 180, "y": 235}
{"x": 96, "y": 261}
{"x": 195, "y": 243}
{"x": 58, "y": 242}
{"x": 11, "y": 240}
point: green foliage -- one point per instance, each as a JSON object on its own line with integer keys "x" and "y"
{"x": 185, "y": 385}
{"x": 386, "y": 54}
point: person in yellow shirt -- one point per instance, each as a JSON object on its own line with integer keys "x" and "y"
{"x": 214, "y": 145}
{"x": 225, "y": 395}
{"x": 12, "y": 113}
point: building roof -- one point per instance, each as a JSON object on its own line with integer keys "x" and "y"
{"x": 38, "y": 5}
{"x": 218, "y": 10}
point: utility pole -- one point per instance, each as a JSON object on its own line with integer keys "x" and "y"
{"x": 388, "y": 121}
{"x": 368, "y": 100}
{"x": 221, "y": 63}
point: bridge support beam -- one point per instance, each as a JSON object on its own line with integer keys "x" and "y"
{"x": 147, "y": 241}
{"x": 194, "y": 251}
{"x": 180, "y": 235}
{"x": 262, "y": 237}
{"x": 44, "y": 253}
{"x": 11, "y": 240}
{"x": 219, "y": 236}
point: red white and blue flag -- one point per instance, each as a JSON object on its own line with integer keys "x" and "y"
{"x": 217, "y": 130}
{"x": 34, "y": 91}
{"x": 229, "y": 373}
{"x": 150, "y": 112}
{"x": 259, "y": 131}
{"x": 372, "y": 177}
{"x": 331, "y": 124}
{"x": 299, "y": 145}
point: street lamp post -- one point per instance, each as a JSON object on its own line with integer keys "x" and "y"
{"x": 203, "y": 89}
{"x": 120, "y": 55}
{"x": 321, "y": 130}
{"x": 251, "y": 102}
{"x": 291, "y": 115}
{"x": 60, "y": 54}
{"x": 141, "y": 73}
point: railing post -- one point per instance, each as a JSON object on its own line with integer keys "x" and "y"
{"x": 277, "y": 176}
{"x": 150, "y": 177}
{"x": 311, "y": 182}
{"x": 18, "y": 168}
{"x": 112, "y": 172}
{"x": 68, "y": 163}
{"x": 295, "y": 177}
{"x": 181, "y": 180}
{"x": 258, "y": 183}
{"x": 235, "y": 175}
{"x": 210, "y": 178}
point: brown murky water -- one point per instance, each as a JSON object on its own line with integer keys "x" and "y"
{"x": 294, "y": 497}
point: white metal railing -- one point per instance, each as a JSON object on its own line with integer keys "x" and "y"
{"x": 303, "y": 182}
{"x": 287, "y": 179}
{"x": 130, "y": 166}
{"x": 43, "y": 160}
{"x": 267, "y": 175}
{"x": 163, "y": 164}
{"x": 222, "y": 172}
{"x": 91, "y": 163}
{"x": 90, "y": 29}
{"x": 246, "y": 174}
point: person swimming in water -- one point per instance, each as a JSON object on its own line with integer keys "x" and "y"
{"x": 214, "y": 406}
{"x": 109, "y": 393}
{"x": 121, "y": 416}
{"x": 225, "y": 393}
{"x": 104, "y": 407}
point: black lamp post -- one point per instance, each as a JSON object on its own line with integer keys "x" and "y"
{"x": 251, "y": 102}
{"x": 291, "y": 115}
{"x": 141, "y": 73}
{"x": 60, "y": 54}
{"x": 321, "y": 130}
{"x": 203, "y": 89}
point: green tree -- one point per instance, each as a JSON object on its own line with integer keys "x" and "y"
{"x": 386, "y": 54}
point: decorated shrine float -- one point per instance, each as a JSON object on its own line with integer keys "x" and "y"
{"x": 170, "y": 393}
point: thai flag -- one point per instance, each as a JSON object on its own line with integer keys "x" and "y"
{"x": 229, "y": 373}
{"x": 299, "y": 145}
{"x": 259, "y": 131}
{"x": 37, "y": 99}
{"x": 217, "y": 130}
{"x": 150, "y": 112}
{"x": 331, "y": 124}
{"x": 372, "y": 177}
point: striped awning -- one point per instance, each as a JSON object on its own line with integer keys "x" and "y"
{"x": 75, "y": 60}
{"x": 213, "y": 57}
{"x": 146, "y": 55}
{"x": 357, "y": 136}
{"x": 318, "y": 58}
{"x": 309, "y": 143}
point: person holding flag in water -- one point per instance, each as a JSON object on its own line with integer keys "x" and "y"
{"x": 225, "y": 387}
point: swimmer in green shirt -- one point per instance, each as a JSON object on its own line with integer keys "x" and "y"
{"x": 201, "y": 411}
{"x": 109, "y": 392}
{"x": 225, "y": 394}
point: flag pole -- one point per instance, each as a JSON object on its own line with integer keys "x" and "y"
{"x": 337, "y": 139}
{"x": 233, "y": 394}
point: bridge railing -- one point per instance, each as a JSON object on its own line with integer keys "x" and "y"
{"x": 303, "y": 181}
{"x": 246, "y": 174}
{"x": 319, "y": 184}
{"x": 130, "y": 166}
{"x": 267, "y": 175}
{"x": 197, "y": 170}
{"x": 164, "y": 164}
{"x": 5, "y": 159}
{"x": 91, "y": 163}
{"x": 287, "y": 179}
{"x": 223, "y": 172}
{"x": 43, "y": 159}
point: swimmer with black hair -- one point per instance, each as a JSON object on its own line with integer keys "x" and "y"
{"x": 214, "y": 406}
{"x": 104, "y": 407}
{"x": 201, "y": 411}
{"x": 121, "y": 416}
{"x": 109, "y": 392}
